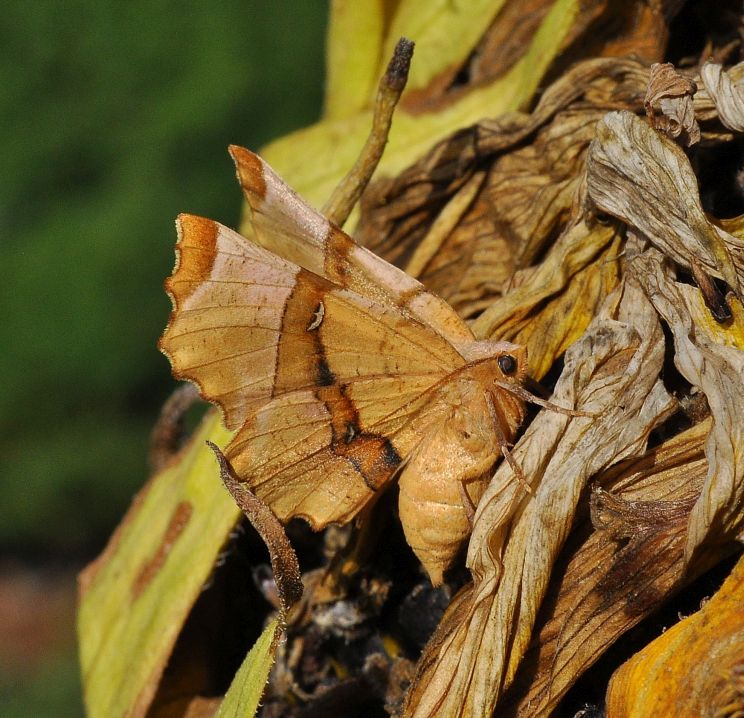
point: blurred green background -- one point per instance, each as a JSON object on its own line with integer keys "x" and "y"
{"x": 115, "y": 117}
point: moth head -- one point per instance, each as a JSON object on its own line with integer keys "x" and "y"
{"x": 503, "y": 361}
{"x": 511, "y": 361}
{"x": 508, "y": 364}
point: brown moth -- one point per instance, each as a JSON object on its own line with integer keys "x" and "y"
{"x": 338, "y": 371}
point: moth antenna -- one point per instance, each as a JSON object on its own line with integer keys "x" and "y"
{"x": 504, "y": 445}
{"x": 522, "y": 393}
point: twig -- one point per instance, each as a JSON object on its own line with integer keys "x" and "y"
{"x": 350, "y": 188}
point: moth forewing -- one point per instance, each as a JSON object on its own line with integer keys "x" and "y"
{"x": 282, "y": 221}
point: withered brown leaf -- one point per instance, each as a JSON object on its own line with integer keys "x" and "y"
{"x": 712, "y": 360}
{"x": 669, "y": 103}
{"x": 645, "y": 179}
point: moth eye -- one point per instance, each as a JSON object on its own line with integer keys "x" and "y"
{"x": 507, "y": 364}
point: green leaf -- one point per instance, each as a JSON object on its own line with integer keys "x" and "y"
{"x": 136, "y": 596}
{"x": 241, "y": 699}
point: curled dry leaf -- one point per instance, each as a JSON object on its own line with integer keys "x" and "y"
{"x": 706, "y": 109}
{"x": 284, "y": 564}
{"x": 645, "y": 179}
{"x": 613, "y": 371}
{"x": 669, "y": 103}
{"x": 693, "y": 669}
{"x": 612, "y": 577}
{"x": 555, "y": 301}
{"x": 464, "y": 234}
{"x": 711, "y": 359}
{"x": 526, "y": 197}
{"x": 726, "y": 91}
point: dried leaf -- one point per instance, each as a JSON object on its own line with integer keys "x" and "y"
{"x": 612, "y": 371}
{"x": 136, "y": 596}
{"x": 711, "y": 359}
{"x": 527, "y": 196}
{"x": 446, "y": 222}
{"x": 669, "y": 103}
{"x": 529, "y": 192}
{"x": 705, "y": 100}
{"x": 693, "y": 669}
{"x": 726, "y": 91}
{"x": 645, "y": 179}
{"x": 558, "y": 299}
{"x": 284, "y": 564}
{"x": 617, "y": 574}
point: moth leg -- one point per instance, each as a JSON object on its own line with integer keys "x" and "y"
{"x": 169, "y": 430}
{"x": 504, "y": 445}
{"x": 478, "y": 472}
{"x": 467, "y": 503}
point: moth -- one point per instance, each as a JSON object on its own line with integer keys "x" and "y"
{"x": 338, "y": 372}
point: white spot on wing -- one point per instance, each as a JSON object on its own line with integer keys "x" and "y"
{"x": 317, "y": 318}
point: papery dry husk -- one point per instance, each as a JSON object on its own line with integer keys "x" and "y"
{"x": 645, "y": 179}
{"x": 669, "y": 103}
{"x": 725, "y": 89}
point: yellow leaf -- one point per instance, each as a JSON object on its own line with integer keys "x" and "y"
{"x": 445, "y": 33}
{"x": 693, "y": 669}
{"x": 314, "y": 159}
{"x": 136, "y": 596}
{"x": 353, "y": 55}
